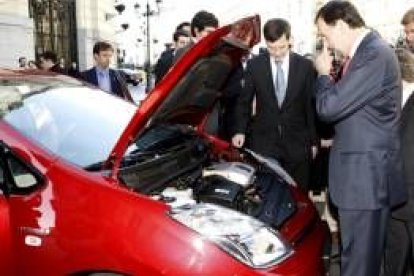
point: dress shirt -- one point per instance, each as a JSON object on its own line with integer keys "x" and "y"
{"x": 104, "y": 80}
{"x": 408, "y": 89}
{"x": 285, "y": 68}
{"x": 357, "y": 42}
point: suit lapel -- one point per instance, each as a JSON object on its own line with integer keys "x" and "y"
{"x": 115, "y": 85}
{"x": 360, "y": 51}
{"x": 268, "y": 80}
{"x": 112, "y": 78}
{"x": 291, "y": 88}
{"x": 94, "y": 78}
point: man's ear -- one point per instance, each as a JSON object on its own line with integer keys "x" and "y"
{"x": 291, "y": 41}
{"x": 342, "y": 25}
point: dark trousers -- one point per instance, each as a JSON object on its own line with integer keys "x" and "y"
{"x": 399, "y": 249}
{"x": 363, "y": 238}
{"x": 319, "y": 171}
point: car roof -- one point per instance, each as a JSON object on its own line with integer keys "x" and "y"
{"x": 36, "y": 75}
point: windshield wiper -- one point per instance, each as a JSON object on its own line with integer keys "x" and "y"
{"x": 126, "y": 160}
{"x": 95, "y": 166}
{"x": 140, "y": 156}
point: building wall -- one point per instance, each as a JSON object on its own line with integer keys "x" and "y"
{"x": 16, "y": 31}
{"x": 95, "y": 22}
{"x": 299, "y": 13}
{"x": 388, "y": 24}
{"x": 18, "y": 28}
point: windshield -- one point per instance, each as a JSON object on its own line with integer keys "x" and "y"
{"x": 75, "y": 122}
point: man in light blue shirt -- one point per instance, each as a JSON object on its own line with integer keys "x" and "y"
{"x": 104, "y": 80}
{"x": 109, "y": 80}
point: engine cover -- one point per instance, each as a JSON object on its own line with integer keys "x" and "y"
{"x": 236, "y": 172}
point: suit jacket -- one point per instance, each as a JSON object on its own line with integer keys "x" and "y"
{"x": 180, "y": 52}
{"x": 286, "y": 132}
{"x": 364, "y": 105}
{"x": 118, "y": 83}
{"x": 164, "y": 63}
{"x": 406, "y": 212}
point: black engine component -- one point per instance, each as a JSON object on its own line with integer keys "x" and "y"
{"x": 268, "y": 199}
{"x": 163, "y": 155}
{"x": 277, "y": 203}
{"x": 218, "y": 190}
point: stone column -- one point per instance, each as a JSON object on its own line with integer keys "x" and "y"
{"x": 16, "y": 31}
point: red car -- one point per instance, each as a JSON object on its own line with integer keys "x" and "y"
{"x": 92, "y": 184}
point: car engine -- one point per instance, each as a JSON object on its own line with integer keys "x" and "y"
{"x": 176, "y": 166}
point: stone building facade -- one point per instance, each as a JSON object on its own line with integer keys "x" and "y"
{"x": 25, "y": 33}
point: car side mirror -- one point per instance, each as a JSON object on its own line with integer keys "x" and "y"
{"x": 16, "y": 174}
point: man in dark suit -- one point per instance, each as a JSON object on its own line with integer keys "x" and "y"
{"x": 181, "y": 39}
{"x": 399, "y": 249}
{"x": 365, "y": 177}
{"x": 109, "y": 80}
{"x": 279, "y": 84}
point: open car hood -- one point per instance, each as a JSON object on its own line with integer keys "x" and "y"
{"x": 190, "y": 89}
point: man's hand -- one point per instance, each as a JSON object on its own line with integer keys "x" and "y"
{"x": 323, "y": 61}
{"x": 238, "y": 140}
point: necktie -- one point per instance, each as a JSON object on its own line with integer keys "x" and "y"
{"x": 280, "y": 83}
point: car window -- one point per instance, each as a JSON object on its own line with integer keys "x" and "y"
{"x": 22, "y": 176}
{"x": 77, "y": 123}
{"x": 16, "y": 176}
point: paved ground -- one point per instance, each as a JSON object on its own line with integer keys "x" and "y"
{"x": 334, "y": 262}
{"x": 334, "y": 256}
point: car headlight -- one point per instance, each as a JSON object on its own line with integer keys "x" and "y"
{"x": 243, "y": 237}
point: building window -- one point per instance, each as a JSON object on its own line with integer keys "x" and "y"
{"x": 55, "y": 28}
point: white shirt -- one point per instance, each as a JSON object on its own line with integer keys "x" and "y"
{"x": 285, "y": 68}
{"x": 407, "y": 89}
{"x": 357, "y": 42}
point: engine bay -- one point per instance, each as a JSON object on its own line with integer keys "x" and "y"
{"x": 174, "y": 165}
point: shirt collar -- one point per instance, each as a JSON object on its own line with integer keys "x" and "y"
{"x": 357, "y": 42}
{"x": 285, "y": 59}
{"x": 102, "y": 70}
{"x": 285, "y": 63}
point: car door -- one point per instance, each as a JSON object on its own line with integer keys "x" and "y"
{"x": 24, "y": 215}
{"x": 6, "y": 252}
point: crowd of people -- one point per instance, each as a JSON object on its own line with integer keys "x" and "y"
{"x": 100, "y": 75}
{"x": 343, "y": 118}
